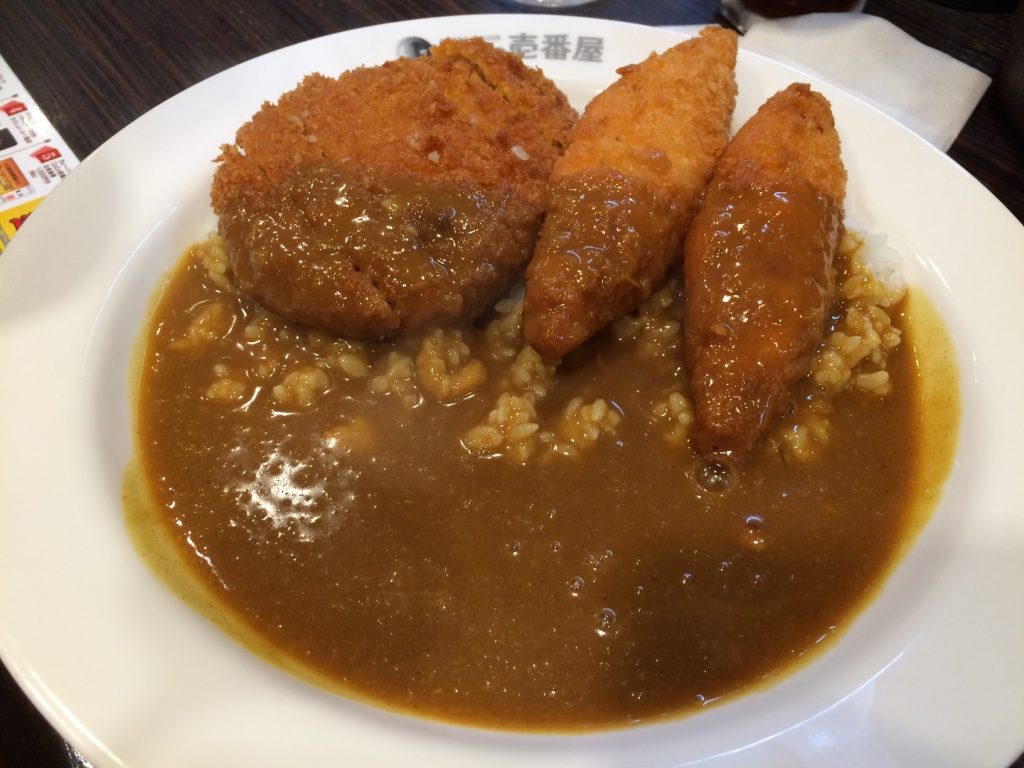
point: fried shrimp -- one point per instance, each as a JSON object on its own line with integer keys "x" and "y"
{"x": 758, "y": 268}
{"x": 625, "y": 191}
{"x": 396, "y": 196}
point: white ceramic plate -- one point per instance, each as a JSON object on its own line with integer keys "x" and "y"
{"x": 932, "y": 673}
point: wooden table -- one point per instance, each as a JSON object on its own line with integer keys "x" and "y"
{"x": 96, "y": 65}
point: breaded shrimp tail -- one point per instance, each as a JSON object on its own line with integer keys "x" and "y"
{"x": 758, "y": 268}
{"x": 625, "y": 191}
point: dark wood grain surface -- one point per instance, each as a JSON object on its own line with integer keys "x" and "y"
{"x": 96, "y": 65}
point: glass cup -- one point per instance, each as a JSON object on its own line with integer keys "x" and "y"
{"x": 741, "y": 13}
{"x": 551, "y": 3}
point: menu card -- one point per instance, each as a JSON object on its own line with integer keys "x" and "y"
{"x": 33, "y": 156}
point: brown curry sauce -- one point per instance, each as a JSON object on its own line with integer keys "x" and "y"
{"x": 577, "y": 593}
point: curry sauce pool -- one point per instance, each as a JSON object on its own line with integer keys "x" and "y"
{"x": 529, "y": 547}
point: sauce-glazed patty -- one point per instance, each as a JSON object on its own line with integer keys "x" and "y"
{"x": 450, "y": 156}
{"x": 365, "y": 255}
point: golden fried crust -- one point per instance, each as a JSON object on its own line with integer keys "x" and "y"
{"x": 758, "y": 269}
{"x": 678, "y": 104}
{"x": 792, "y": 136}
{"x": 467, "y": 114}
{"x": 449, "y": 155}
{"x": 625, "y": 191}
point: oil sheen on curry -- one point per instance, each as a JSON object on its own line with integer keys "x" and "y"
{"x": 447, "y": 523}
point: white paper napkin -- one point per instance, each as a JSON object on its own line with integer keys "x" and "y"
{"x": 931, "y": 93}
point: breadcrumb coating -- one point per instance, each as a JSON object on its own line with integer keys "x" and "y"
{"x": 793, "y": 137}
{"x": 392, "y": 197}
{"x": 467, "y": 113}
{"x": 624, "y": 193}
{"x": 758, "y": 268}
{"x": 677, "y": 104}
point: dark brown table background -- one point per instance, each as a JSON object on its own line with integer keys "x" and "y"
{"x": 96, "y": 65}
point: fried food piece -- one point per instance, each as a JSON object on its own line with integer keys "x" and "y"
{"x": 449, "y": 154}
{"x": 625, "y": 191}
{"x": 758, "y": 268}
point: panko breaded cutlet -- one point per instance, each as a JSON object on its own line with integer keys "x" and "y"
{"x": 467, "y": 119}
{"x": 758, "y": 268}
{"x": 792, "y": 136}
{"x": 678, "y": 103}
{"x": 624, "y": 192}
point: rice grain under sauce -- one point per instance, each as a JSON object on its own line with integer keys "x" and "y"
{"x": 589, "y": 582}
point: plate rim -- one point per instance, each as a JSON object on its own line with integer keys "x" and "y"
{"x": 37, "y": 690}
